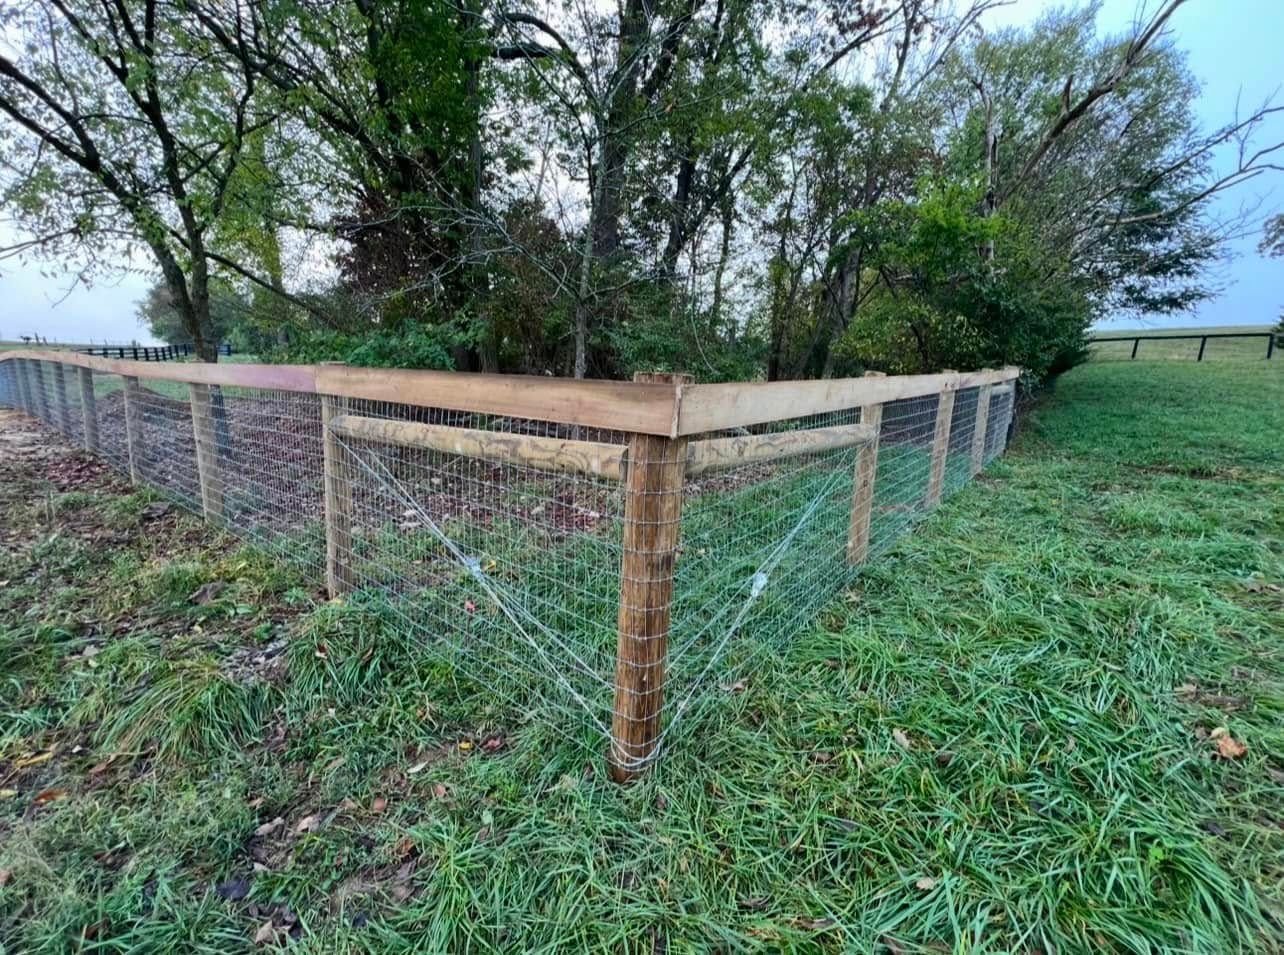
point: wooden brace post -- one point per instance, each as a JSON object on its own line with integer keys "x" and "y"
{"x": 940, "y": 444}
{"x": 134, "y": 427}
{"x": 652, "y": 521}
{"x": 980, "y": 428}
{"x": 88, "y": 408}
{"x": 208, "y": 457}
{"x": 863, "y": 487}
{"x": 338, "y": 500}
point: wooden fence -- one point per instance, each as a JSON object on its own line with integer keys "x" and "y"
{"x": 651, "y": 438}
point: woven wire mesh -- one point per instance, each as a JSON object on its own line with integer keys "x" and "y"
{"x": 511, "y": 572}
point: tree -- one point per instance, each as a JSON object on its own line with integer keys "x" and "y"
{"x": 126, "y": 130}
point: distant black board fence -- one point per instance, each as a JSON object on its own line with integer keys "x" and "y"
{"x": 146, "y": 352}
{"x": 1201, "y": 337}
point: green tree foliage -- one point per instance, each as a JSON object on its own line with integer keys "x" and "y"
{"x": 735, "y": 188}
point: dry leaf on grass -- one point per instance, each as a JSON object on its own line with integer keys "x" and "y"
{"x": 50, "y": 795}
{"x": 379, "y": 804}
{"x": 927, "y": 883}
{"x": 901, "y": 738}
{"x": 270, "y": 827}
{"x": 265, "y": 934}
{"x": 26, "y": 762}
{"x": 1228, "y": 747}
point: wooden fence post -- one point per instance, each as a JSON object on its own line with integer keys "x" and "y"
{"x": 207, "y": 451}
{"x": 24, "y": 384}
{"x": 40, "y": 396}
{"x": 60, "y": 398}
{"x": 134, "y": 426}
{"x": 940, "y": 443}
{"x": 863, "y": 488}
{"x": 980, "y": 428}
{"x": 88, "y": 408}
{"x": 652, "y": 522}
{"x": 338, "y": 470}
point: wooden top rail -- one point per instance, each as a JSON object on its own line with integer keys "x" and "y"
{"x": 717, "y": 454}
{"x": 659, "y": 408}
{"x": 717, "y": 407}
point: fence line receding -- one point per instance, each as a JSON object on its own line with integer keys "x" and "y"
{"x": 602, "y": 553}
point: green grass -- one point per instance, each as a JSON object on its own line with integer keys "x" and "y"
{"x": 1002, "y": 737}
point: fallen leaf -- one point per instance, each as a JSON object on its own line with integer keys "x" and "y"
{"x": 1186, "y": 689}
{"x": 26, "y": 762}
{"x": 270, "y": 827}
{"x": 8, "y": 793}
{"x": 737, "y": 687}
{"x": 1228, "y": 747}
{"x": 465, "y": 745}
{"x": 5, "y": 876}
{"x": 927, "y": 883}
{"x": 816, "y": 925}
{"x": 379, "y": 804}
{"x": 265, "y": 934}
{"x": 439, "y": 791}
{"x": 901, "y": 739}
{"x": 50, "y": 795}
{"x": 309, "y": 823}
{"x": 756, "y": 904}
{"x": 493, "y": 743}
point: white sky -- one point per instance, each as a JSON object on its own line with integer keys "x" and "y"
{"x": 1233, "y": 50}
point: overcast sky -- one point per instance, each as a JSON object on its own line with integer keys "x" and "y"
{"x": 1234, "y": 51}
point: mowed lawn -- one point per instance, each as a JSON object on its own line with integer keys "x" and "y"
{"x": 1052, "y": 720}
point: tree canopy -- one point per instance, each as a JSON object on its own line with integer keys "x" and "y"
{"x": 733, "y": 188}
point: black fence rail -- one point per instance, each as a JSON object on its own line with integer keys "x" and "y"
{"x": 1267, "y": 350}
{"x": 146, "y": 352}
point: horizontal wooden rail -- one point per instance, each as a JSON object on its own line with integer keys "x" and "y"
{"x": 718, "y": 454}
{"x": 596, "y": 458}
{"x": 717, "y": 407}
{"x": 667, "y": 409}
{"x": 504, "y": 447}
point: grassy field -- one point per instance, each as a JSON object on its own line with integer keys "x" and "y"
{"x": 1051, "y": 720}
{"x": 1217, "y": 349}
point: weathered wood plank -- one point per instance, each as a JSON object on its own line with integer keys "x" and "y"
{"x": 340, "y": 577}
{"x": 858, "y": 532}
{"x": 980, "y": 428}
{"x": 60, "y": 399}
{"x": 208, "y": 459}
{"x": 549, "y": 454}
{"x": 717, "y": 454}
{"x": 134, "y": 427}
{"x": 88, "y": 408}
{"x": 940, "y": 443}
{"x": 299, "y": 378}
{"x": 640, "y": 407}
{"x": 652, "y": 520}
{"x": 717, "y": 407}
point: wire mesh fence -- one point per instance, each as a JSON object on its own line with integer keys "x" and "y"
{"x": 605, "y": 580}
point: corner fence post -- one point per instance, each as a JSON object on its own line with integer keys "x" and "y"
{"x": 88, "y": 408}
{"x": 1136, "y": 343}
{"x": 940, "y": 442}
{"x": 338, "y": 471}
{"x": 980, "y": 428}
{"x": 60, "y": 397}
{"x": 134, "y": 426}
{"x": 863, "y": 490}
{"x": 1203, "y": 343}
{"x": 1270, "y": 345}
{"x": 652, "y": 522}
{"x": 207, "y": 451}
